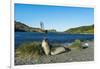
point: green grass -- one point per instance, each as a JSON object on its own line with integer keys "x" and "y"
{"x": 29, "y": 50}
{"x": 76, "y": 44}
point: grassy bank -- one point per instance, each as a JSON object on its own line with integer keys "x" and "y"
{"x": 28, "y": 51}
{"x": 31, "y": 52}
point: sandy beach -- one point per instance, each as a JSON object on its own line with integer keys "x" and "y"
{"x": 75, "y": 55}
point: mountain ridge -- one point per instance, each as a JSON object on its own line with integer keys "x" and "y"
{"x": 81, "y": 30}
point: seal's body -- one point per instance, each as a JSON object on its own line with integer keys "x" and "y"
{"x": 45, "y": 47}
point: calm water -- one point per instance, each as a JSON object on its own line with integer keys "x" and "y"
{"x": 52, "y": 37}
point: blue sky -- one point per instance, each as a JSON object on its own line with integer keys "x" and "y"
{"x": 60, "y": 18}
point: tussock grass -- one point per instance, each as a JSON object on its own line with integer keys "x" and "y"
{"x": 29, "y": 50}
{"x": 76, "y": 44}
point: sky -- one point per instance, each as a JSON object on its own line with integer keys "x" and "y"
{"x": 60, "y": 18}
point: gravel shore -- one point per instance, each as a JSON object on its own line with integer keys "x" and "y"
{"x": 75, "y": 55}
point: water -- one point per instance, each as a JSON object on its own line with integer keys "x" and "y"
{"x": 21, "y": 37}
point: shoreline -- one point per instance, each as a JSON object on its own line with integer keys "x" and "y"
{"x": 74, "y": 55}
{"x": 56, "y": 32}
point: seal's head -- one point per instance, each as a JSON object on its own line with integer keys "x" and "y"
{"x": 45, "y": 39}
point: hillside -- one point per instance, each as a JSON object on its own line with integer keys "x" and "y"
{"x": 81, "y": 30}
{"x": 21, "y": 27}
